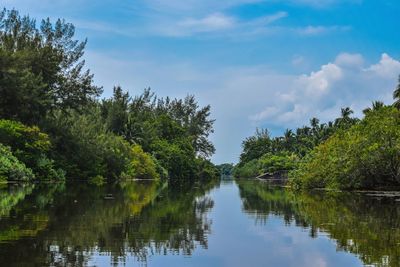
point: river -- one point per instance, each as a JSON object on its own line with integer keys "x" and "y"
{"x": 224, "y": 223}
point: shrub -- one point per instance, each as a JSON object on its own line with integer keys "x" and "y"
{"x": 250, "y": 169}
{"x": 11, "y": 168}
{"x": 141, "y": 166}
{"x": 178, "y": 157}
{"x": 270, "y": 163}
{"x": 84, "y": 147}
{"x": 27, "y": 143}
{"x": 30, "y": 146}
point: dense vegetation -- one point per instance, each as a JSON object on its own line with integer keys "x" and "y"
{"x": 53, "y": 124}
{"x": 347, "y": 153}
{"x": 265, "y": 154}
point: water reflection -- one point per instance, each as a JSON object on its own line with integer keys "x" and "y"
{"x": 58, "y": 225}
{"x": 366, "y": 226}
{"x": 242, "y": 223}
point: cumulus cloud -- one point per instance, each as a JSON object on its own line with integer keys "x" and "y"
{"x": 349, "y": 60}
{"x": 386, "y": 68}
{"x": 318, "y": 83}
{"x": 322, "y": 93}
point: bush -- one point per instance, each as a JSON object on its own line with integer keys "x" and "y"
{"x": 30, "y": 146}
{"x": 141, "y": 166}
{"x": 365, "y": 156}
{"x": 11, "y": 169}
{"x": 84, "y": 147}
{"x": 250, "y": 169}
{"x": 270, "y": 163}
{"x": 178, "y": 157}
{"x": 27, "y": 143}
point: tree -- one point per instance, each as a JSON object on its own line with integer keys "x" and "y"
{"x": 396, "y": 95}
{"x": 376, "y": 105}
{"x": 41, "y": 68}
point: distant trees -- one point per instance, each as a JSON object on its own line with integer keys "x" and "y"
{"x": 347, "y": 153}
{"x": 262, "y": 153}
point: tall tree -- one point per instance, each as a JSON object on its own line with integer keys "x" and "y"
{"x": 41, "y": 68}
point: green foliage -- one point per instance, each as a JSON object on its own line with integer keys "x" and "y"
{"x": 270, "y": 163}
{"x": 225, "y": 169}
{"x": 250, "y": 169}
{"x": 27, "y": 142}
{"x": 298, "y": 142}
{"x": 11, "y": 169}
{"x": 141, "y": 166}
{"x": 40, "y": 68}
{"x": 365, "y": 156}
{"x": 43, "y": 82}
{"x": 97, "y": 180}
{"x": 178, "y": 158}
{"x": 45, "y": 169}
{"x": 173, "y": 131}
{"x": 31, "y": 147}
{"x": 84, "y": 147}
{"x": 206, "y": 171}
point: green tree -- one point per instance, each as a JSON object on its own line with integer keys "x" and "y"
{"x": 41, "y": 68}
{"x": 396, "y": 95}
{"x": 364, "y": 156}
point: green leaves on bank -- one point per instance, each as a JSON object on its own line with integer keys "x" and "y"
{"x": 54, "y": 125}
{"x": 365, "y": 156}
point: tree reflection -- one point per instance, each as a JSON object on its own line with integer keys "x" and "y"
{"x": 55, "y": 226}
{"x": 363, "y": 225}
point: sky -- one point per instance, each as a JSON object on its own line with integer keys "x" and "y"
{"x": 259, "y": 63}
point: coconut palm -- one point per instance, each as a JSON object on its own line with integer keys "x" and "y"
{"x": 396, "y": 96}
{"x": 376, "y": 105}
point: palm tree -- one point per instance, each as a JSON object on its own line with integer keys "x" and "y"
{"x": 376, "y": 105}
{"x": 288, "y": 138}
{"x": 346, "y": 112}
{"x": 396, "y": 96}
{"x": 345, "y": 117}
{"x": 314, "y": 122}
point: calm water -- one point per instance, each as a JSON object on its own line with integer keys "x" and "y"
{"x": 243, "y": 223}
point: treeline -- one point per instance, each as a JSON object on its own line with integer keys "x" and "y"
{"x": 53, "y": 124}
{"x": 347, "y": 153}
{"x": 265, "y": 154}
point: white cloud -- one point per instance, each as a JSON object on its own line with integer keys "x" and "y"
{"x": 194, "y": 6}
{"x": 212, "y": 22}
{"x": 324, "y": 3}
{"x": 349, "y": 60}
{"x": 217, "y": 22}
{"x": 322, "y": 93}
{"x": 268, "y": 112}
{"x": 386, "y": 68}
{"x": 318, "y": 83}
{"x": 318, "y": 30}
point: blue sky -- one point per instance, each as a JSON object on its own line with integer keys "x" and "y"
{"x": 259, "y": 63}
